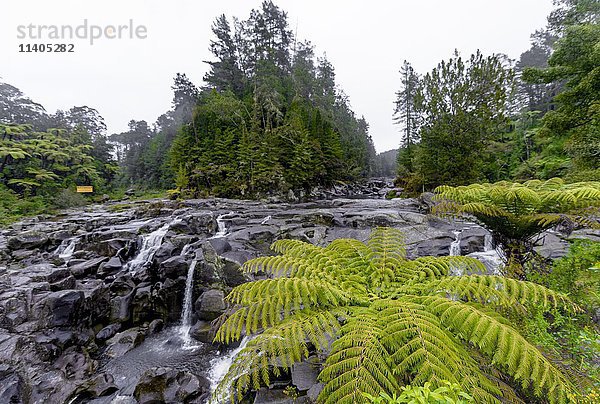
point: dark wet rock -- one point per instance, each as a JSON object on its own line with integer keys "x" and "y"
{"x": 314, "y": 391}
{"x": 120, "y": 307}
{"x": 203, "y": 331}
{"x": 87, "y": 268}
{"x": 435, "y": 247}
{"x": 27, "y": 240}
{"x": 75, "y": 364}
{"x": 169, "y": 299}
{"x": 22, "y": 255}
{"x": 109, "y": 267}
{"x": 472, "y": 240}
{"x": 304, "y": 374}
{"x": 124, "y": 342}
{"x": 58, "y": 274}
{"x": 155, "y": 326}
{"x": 552, "y": 246}
{"x": 231, "y": 273}
{"x": 210, "y": 305}
{"x": 100, "y": 385}
{"x": 201, "y": 222}
{"x": 60, "y": 308}
{"x": 267, "y": 396}
{"x": 164, "y": 252}
{"x": 142, "y": 307}
{"x": 108, "y": 332}
{"x": 173, "y": 267}
{"x": 168, "y": 385}
{"x": 220, "y": 245}
{"x": 108, "y": 248}
{"x": 11, "y": 386}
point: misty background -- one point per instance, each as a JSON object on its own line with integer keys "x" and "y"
{"x": 365, "y": 41}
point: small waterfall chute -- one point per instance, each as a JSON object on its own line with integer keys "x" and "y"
{"x": 186, "y": 312}
{"x": 219, "y": 368}
{"x": 222, "y": 225}
{"x": 150, "y": 244}
{"x": 266, "y": 219}
{"x": 66, "y": 249}
{"x": 489, "y": 256}
{"x": 455, "y": 245}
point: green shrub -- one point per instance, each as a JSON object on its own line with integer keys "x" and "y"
{"x": 67, "y": 198}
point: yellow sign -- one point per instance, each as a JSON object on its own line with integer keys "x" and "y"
{"x": 85, "y": 189}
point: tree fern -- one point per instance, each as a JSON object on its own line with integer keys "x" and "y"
{"x": 516, "y": 213}
{"x": 387, "y": 322}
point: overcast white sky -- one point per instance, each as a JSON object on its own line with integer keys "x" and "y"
{"x": 365, "y": 40}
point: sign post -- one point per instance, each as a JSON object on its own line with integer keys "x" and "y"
{"x": 85, "y": 189}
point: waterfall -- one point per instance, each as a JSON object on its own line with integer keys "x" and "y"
{"x": 266, "y": 219}
{"x": 186, "y": 312}
{"x": 455, "y": 245}
{"x": 219, "y": 368}
{"x": 150, "y": 243}
{"x": 66, "y": 249}
{"x": 487, "y": 242}
{"x": 222, "y": 226}
{"x": 489, "y": 256}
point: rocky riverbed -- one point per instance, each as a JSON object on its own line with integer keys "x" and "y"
{"x": 113, "y": 303}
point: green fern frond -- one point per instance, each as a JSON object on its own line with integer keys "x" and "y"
{"x": 499, "y": 290}
{"x": 359, "y": 363}
{"x": 506, "y": 346}
{"x": 277, "y": 349}
{"x": 388, "y": 321}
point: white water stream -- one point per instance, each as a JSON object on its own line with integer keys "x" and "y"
{"x": 150, "y": 243}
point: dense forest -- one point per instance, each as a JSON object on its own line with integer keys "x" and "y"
{"x": 489, "y": 118}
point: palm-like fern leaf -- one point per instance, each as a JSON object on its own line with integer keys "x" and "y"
{"x": 392, "y": 322}
{"x": 517, "y": 213}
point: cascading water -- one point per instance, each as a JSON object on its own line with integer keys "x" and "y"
{"x": 66, "y": 249}
{"x": 150, "y": 243}
{"x": 455, "y": 245}
{"x": 455, "y": 251}
{"x": 219, "y": 368}
{"x": 266, "y": 219}
{"x": 222, "y": 232}
{"x": 489, "y": 257}
{"x": 186, "y": 312}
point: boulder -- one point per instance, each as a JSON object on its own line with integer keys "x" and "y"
{"x": 314, "y": 392}
{"x": 110, "y": 267}
{"x": 304, "y": 374}
{"x": 201, "y": 222}
{"x": 220, "y": 245}
{"x": 27, "y": 240}
{"x": 169, "y": 385}
{"x": 203, "y": 331}
{"x": 155, "y": 326}
{"x": 472, "y": 240}
{"x": 210, "y": 305}
{"x": 142, "y": 307}
{"x": 60, "y": 308}
{"x": 100, "y": 385}
{"x": 435, "y": 247}
{"x": 163, "y": 252}
{"x": 11, "y": 386}
{"x": 552, "y": 246}
{"x": 124, "y": 342}
{"x": 88, "y": 267}
{"x": 173, "y": 267}
{"x": 108, "y": 332}
{"x": 108, "y": 248}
